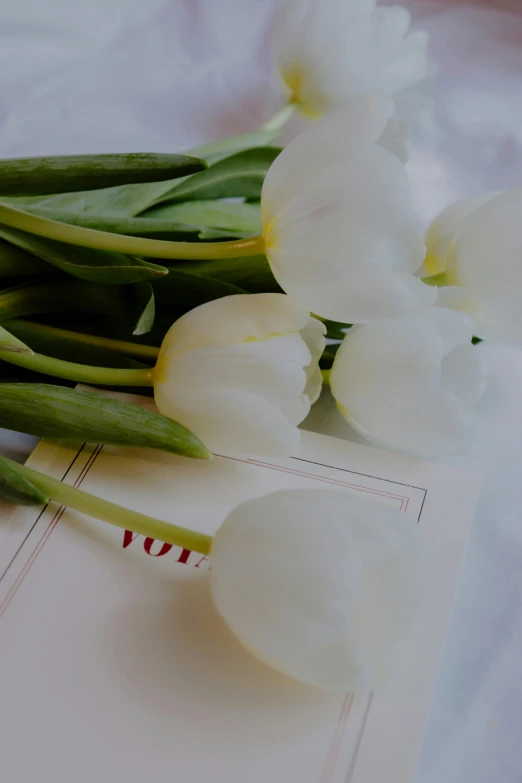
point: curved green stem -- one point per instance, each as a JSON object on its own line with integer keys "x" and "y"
{"x": 121, "y": 346}
{"x": 280, "y": 118}
{"x": 81, "y": 373}
{"x": 134, "y": 246}
{"x": 114, "y": 514}
{"x": 326, "y": 377}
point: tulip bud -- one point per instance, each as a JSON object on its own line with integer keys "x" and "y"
{"x": 337, "y": 227}
{"x": 328, "y": 52}
{"x": 241, "y": 372}
{"x": 476, "y": 243}
{"x": 319, "y": 584}
{"x": 411, "y": 383}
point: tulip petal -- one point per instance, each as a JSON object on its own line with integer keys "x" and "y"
{"x": 396, "y": 138}
{"x": 239, "y": 369}
{"x": 314, "y": 336}
{"x": 233, "y": 319}
{"x": 369, "y": 293}
{"x": 339, "y": 137}
{"x": 484, "y": 260}
{"x": 411, "y": 383}
{"x": 445, "y": 228}
{"x": 329, "y": 51}
{"x": 335, "y": 246}
{"x": 257, "y": 368}
{"x": 332, "y": 588}
{"x": 236, "y": 422}
{"x": 463, "y": 374}
{"x": 351, "y": 205}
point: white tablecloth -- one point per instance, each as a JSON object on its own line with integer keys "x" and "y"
{"x": 169, "y": 74}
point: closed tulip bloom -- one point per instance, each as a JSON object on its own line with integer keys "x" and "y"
{"x": 337, "y": 227}
{"x": 319, "y": 584}
{"x": 329, "y": 51}
{"x": 411, "y": 383}
{"x": 242, "y": 371}
{"x": 476, "y": 243}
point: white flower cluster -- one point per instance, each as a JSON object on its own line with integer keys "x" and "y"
{"x": 242, "y": 371}
{"x": 341, "y": 241}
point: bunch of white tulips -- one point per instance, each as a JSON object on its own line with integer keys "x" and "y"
{"x": 341, "y": 241}
{"x": 326, "y": 594}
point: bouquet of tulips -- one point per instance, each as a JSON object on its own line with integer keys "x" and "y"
{"x": 232, "y": 283}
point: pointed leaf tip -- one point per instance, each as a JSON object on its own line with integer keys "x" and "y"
{"x": 15, "y": 488}
{"x": 10, "y": 343}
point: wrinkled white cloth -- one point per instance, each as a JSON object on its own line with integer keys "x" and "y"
{"x": 170, "y": 74}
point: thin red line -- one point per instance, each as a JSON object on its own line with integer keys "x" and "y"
{"x": 333, "y": 753}
{"x": 337, "y": 482}
{"x": 52, "y": 524}
{"x": 360, "y": 736}
{"x": 314, "y": 475}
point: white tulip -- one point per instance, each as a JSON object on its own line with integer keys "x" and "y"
{"x": 241, "y": 373}
{"x": 337, "y": 227}
{"x": 477, "y": 244}
{"x": 329, "y": 51}
{"x": 319, "y": 584}
{"x": 411, "y": 383}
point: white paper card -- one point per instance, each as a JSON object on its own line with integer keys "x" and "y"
{"x": 115, "y": 667}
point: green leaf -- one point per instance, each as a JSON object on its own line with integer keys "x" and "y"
{"x": 30, "y": 298}
{"x": 233, "y": 217}
{"x": 15, "y": 262}
{"x": 252, "y": 273}
{"x": 191, "y": 290}
{"x": 67, "y": 348}
{"x": 206, "y": 234}
{"x": 328, "y": 356}
{"x": 335, "y": 330}
{"x": 169, "y": 221}
{"x": 130, "y": 200}
{"x": 139, "y": 227}
{"x": 61, "y": 296}
{"x": 10, "y": 373}
{"x": 222, "y": 148}
{"x": 8, "y": 342}
{"x": 15, "y": 488}
{"x": 95, "y": 266}
{"x": 147, "y": 308}
{"x": 87, "y": 172}
{"x": 88, "y": 239}
{"x": 241, "y": 175}
{"x": 73, "y": 414}
{"x": 122, "y": 201}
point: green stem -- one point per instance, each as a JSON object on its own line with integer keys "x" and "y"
{"x": 81, "y": 373}
{"x": 114, "y": 514}
{"x": 326, "y": 377}
{"x": 120, "y": 243}
{"x": 280, "y": 118}
{"x": 121, "y": 346}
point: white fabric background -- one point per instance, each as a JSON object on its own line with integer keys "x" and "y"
{"x": 169, "y": 74}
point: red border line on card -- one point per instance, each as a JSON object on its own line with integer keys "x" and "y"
{"x": 333, "y": 753}
{"x": 346, "y": 707}
{"x": 358, "y": 742}
{"x": 403, "y": 498}
{"x": 41, "y": 543}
